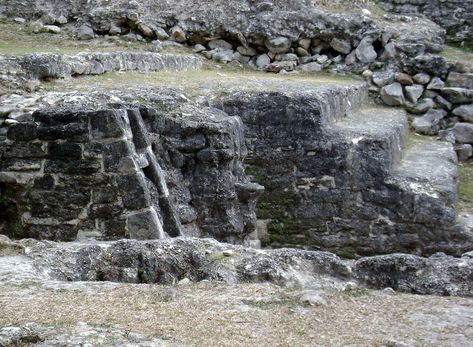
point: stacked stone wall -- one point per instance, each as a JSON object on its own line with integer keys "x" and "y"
{"x": 70, "y": 173}
{"x": 456, "y": 16}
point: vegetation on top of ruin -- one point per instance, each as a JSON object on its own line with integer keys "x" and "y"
{"x": 18, "y": 39}
{"x": 350, "y": 6}
{"x": 211, "y": 79}
{"x": 458, "y": 53}
{"x": 465, "y": 190}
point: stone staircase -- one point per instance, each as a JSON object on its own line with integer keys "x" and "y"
{"x": 339, "y": 173}
{"x": 348, "y": 177}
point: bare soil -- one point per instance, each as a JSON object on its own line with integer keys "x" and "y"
{"x": 211, "y": 314}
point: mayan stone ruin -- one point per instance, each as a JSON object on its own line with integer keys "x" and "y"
{"x": 251, "y": 173}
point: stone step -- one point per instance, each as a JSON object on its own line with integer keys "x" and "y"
{"x": 296, "y": 109}
{"x": 51, "y": 66}
{"x": 427, "y": 176}
{"x": 375, "y": 138}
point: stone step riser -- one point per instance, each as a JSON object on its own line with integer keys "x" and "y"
{"x": 312, "y": 111}
{"x": 52, "y": 66}
{"x": 373, "y": 150}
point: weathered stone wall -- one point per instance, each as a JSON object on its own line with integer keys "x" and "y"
{"x": 456, "y": 16}
{"x": 50, "y": 66}
{"x": 340, "y": 187}
{"x": 71, "y": 173}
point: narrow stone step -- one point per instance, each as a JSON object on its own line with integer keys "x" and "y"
{"x": 428, "y": 173}
{"x": 375, "y": 138}
{"x": 50, "y": 66}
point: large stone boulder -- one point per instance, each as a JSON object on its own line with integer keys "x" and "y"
{"x": 429, "y": 123}
{"x": 278, "y": 44}
{"x": 85, "y": 32}
{"x": 465, "y": 112}
{"x": 365, "y": 51}
{"x": 414, "y": 92}
{"x": 340, "y": 45}
{"x": 392, "y": 94}
{"x": 457, "y": 95}
{"x": 463, "y": 132}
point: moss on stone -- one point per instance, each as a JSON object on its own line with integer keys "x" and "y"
{"x": 465, "y": 190}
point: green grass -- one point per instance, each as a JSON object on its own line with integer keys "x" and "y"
{"x": 349, "y": 6}
{"x": 216, "y": 257}
{"x": 19, "y": 39}
{"x": 218, "y": 80}
{"x": 462, "y": 54}
{"x": 460, "y": 48}
{"x": 414, "y": 138}
{"x": 465, "y": 191}
{"x": 357, "y": 292}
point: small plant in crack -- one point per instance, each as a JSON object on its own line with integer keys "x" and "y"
{"x": 3, "y": 195}
{"x": 3, "y": 199}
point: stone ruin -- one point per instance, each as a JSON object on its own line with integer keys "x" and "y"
{"x": 290, "y": 164}
{"x": 330, "y": 171}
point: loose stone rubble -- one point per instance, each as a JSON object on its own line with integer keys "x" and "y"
{"x": 453, "y": 15}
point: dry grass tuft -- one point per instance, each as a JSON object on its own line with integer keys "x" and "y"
{"x": 209, "y": 314}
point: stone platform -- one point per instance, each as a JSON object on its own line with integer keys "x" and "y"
{"x": 189, "y": 154}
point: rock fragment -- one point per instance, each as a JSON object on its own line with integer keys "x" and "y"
{"x": 392, "y": 94}
{"x": 85, "y": 32}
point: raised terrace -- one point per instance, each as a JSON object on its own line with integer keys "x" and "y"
{"x": 196, "y": 150}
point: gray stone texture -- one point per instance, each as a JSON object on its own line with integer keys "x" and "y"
{"x": 50, "y": 66}
{"x": 169, "y": 261}
{"x": 456, "y": 16}
{"x": 333, "y": 171}
{"x": 107, "y": 156}
{"x": 392, "y": 94}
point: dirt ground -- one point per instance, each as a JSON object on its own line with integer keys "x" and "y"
{"x": 217, "y": 314}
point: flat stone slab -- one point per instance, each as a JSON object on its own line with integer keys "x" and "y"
{"x": 51, "y": 66}
{"x": 166, "y": 262}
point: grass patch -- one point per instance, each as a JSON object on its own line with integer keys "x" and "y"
{"x": 219, "y": 81}
{"x": 458, "y": 48}
{"x": 414, "y": 138}
{"x": 357, "y": 292}
{"x": 29, "y": 284}
{"x": 209, "y": 314}
{"x": 19, "y": 39}
{"x": 346, "y": 253}
{"x": 281, "y": 300}
{"x": 462, "y": 54}
{"x": 465, "y": 190}
{"x": 349, "y": 6}
{"x": 216, "y": 257}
